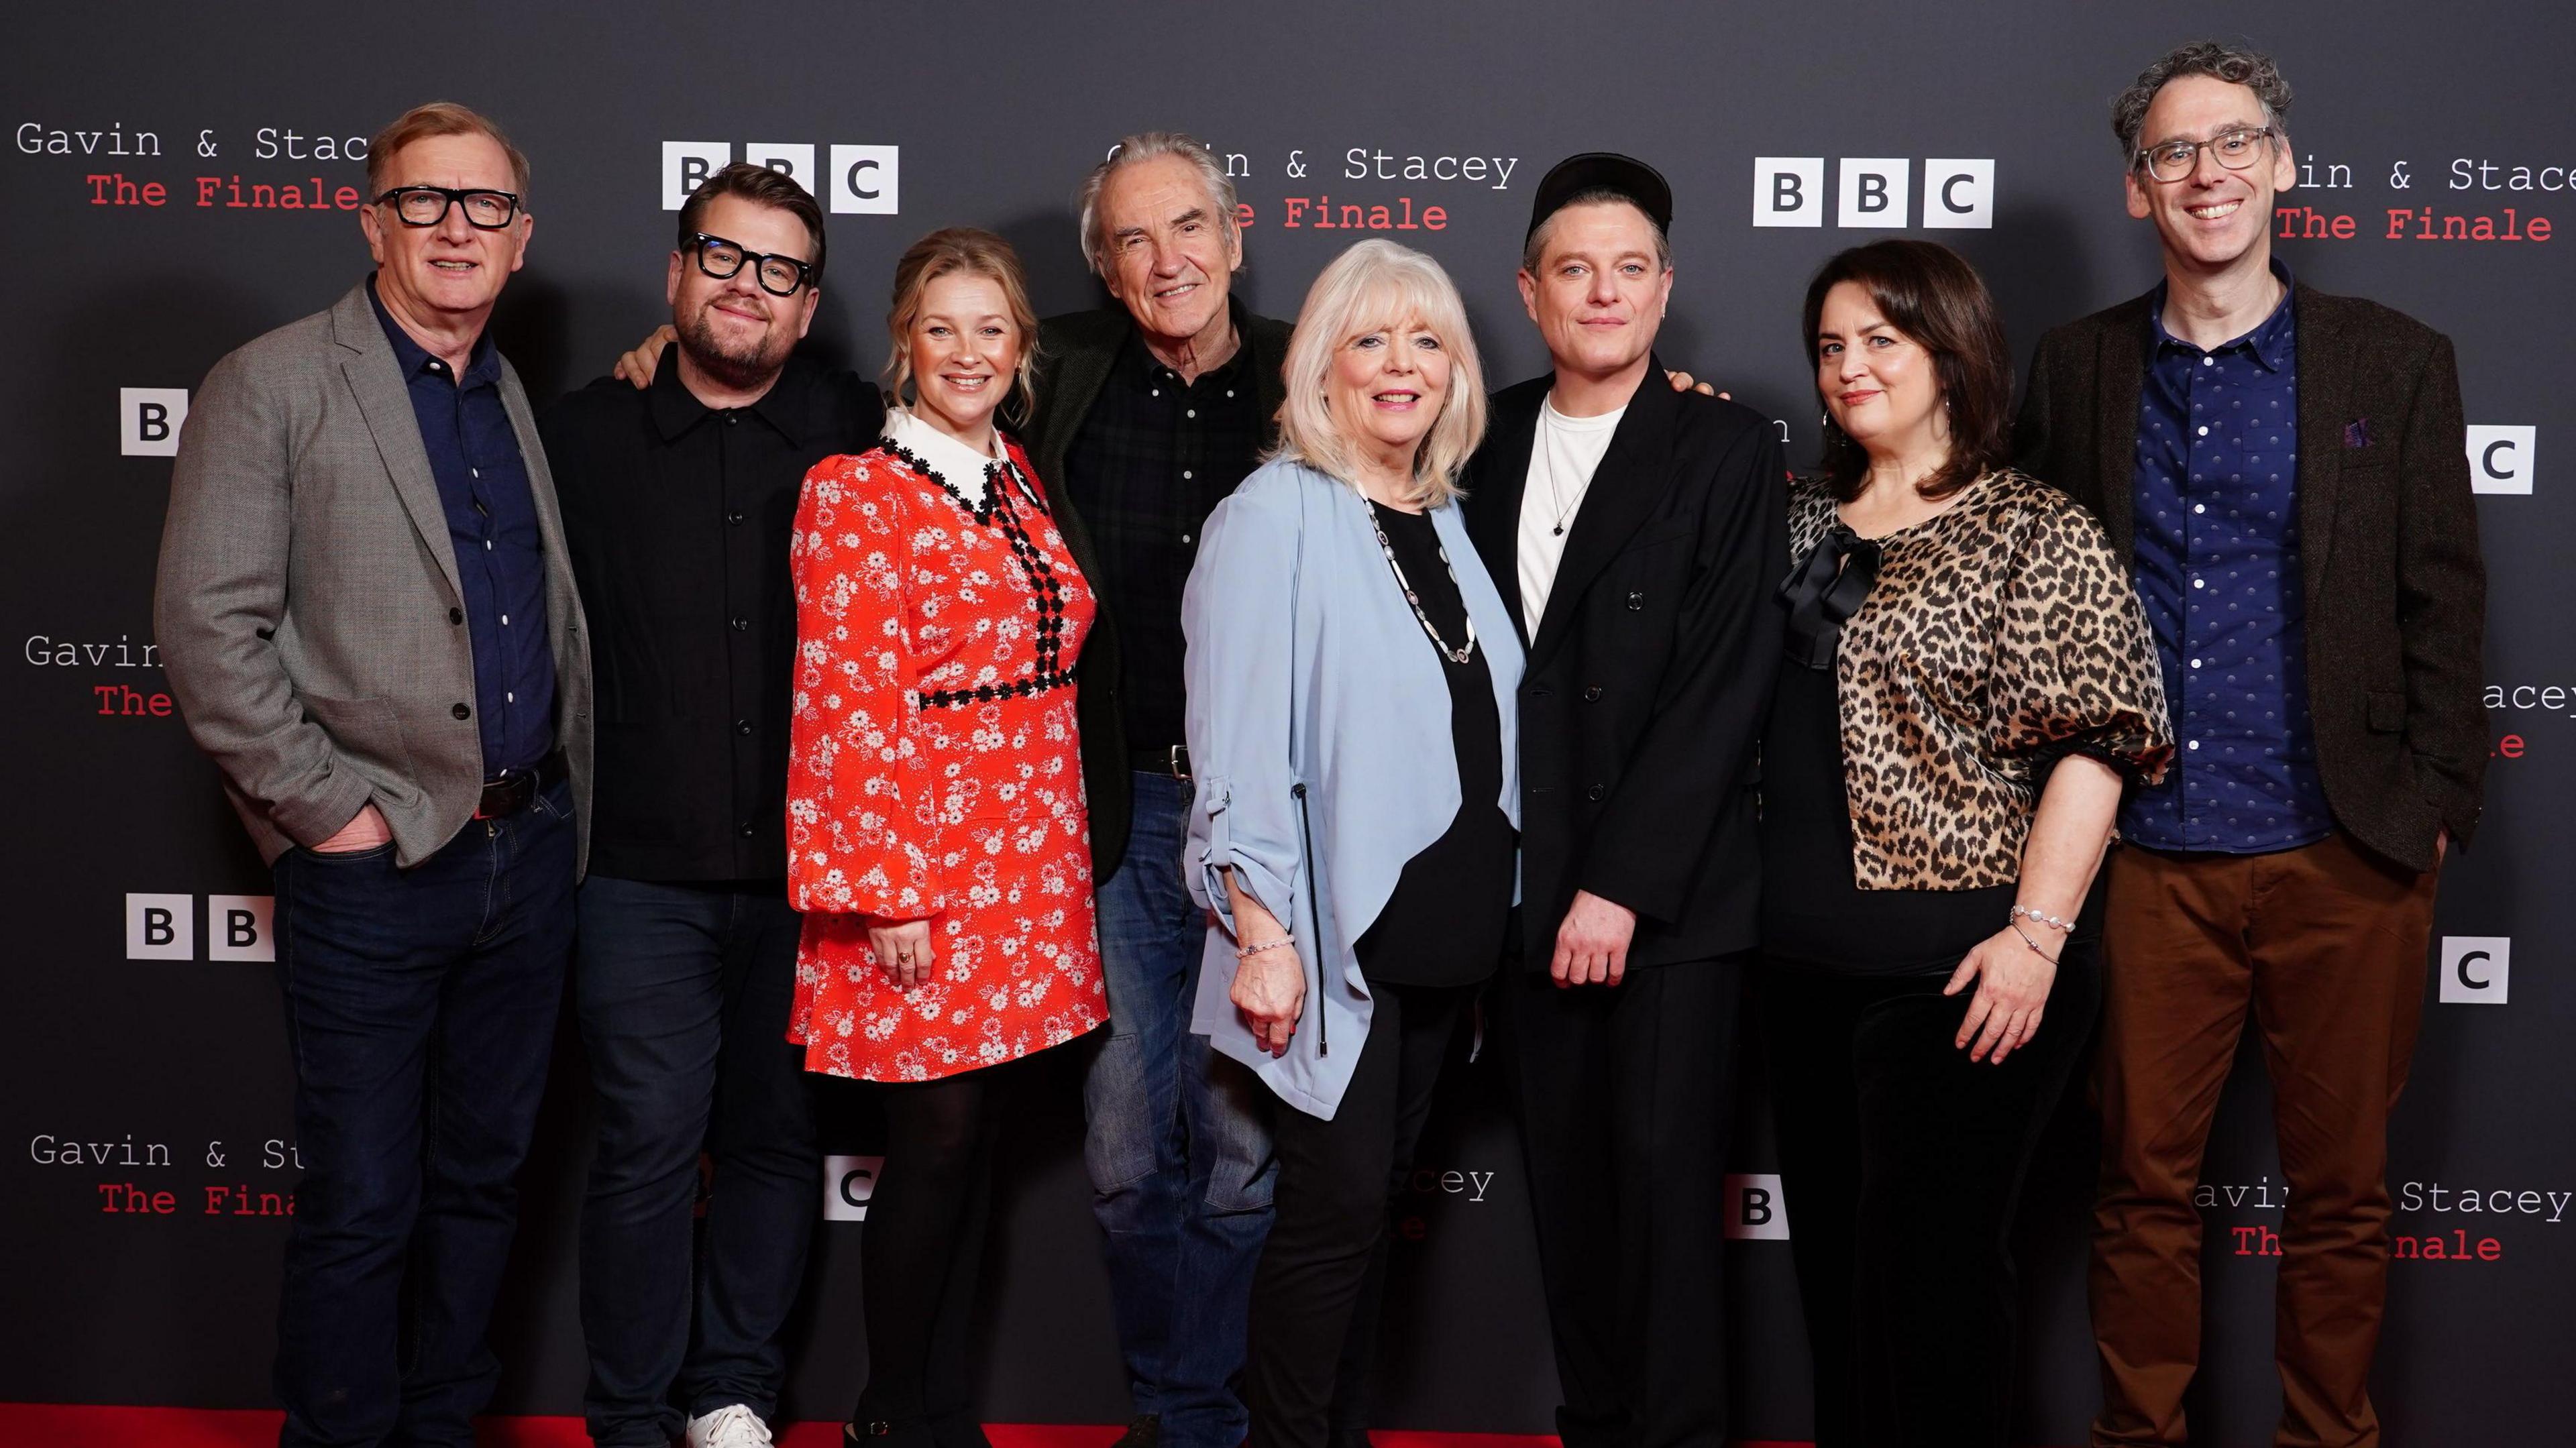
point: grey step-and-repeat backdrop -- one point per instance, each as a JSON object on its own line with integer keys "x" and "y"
{"x": 181, "y": 178}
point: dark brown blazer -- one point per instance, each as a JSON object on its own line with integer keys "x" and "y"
{"x": 2396, "y": 591}
{"x": 1075, "y": 353}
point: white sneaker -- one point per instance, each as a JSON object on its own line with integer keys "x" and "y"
{"x": 732, "y": 1426}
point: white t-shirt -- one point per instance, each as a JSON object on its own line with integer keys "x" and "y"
{"x": 1563, "y": 458}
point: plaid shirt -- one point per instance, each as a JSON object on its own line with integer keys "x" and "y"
{"x": 1153, "y": 459}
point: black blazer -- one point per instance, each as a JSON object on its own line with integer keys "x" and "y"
{"x": 1651, "y": 674}
{"x": 2396, "y": 590}
{"x": 1075, "y": 353}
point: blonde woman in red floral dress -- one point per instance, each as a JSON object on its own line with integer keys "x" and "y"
{"x": 936, "y": 836}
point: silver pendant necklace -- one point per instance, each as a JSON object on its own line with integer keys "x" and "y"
{"x": 1456, "y": 656}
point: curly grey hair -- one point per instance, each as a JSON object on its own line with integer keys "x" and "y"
{"x": 1145, "y": 146}
{"x": 2251, "y": 69}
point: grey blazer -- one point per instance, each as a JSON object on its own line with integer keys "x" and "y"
{"x": 308, "y": 607}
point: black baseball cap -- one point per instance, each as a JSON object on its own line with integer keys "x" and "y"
{"x": 1603, "y": 171}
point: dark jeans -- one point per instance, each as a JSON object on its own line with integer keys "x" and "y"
{"x": 1323, "y": 1268}
{"x": 1178, "y": 1146}
{"x": 1901, "y": 1164}
{"x": 683, "y": 993}
{"x": 420, "y": 1005}
{"x": 1626, "y": 1095}
{"x": 922, "y": 1249}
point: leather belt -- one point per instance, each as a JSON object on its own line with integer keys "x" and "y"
{"x": 1171, "y": 759}
{"x": 516, "y": 790}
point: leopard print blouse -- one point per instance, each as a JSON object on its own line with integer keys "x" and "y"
{"x": 2000, "y": 635}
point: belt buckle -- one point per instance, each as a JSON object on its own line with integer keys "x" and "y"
{"x": 1177, "y": 760}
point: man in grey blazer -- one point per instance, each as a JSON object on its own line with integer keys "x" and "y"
{"x": 368, "y": 617}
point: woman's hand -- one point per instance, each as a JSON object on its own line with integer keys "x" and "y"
{"x": 903, "y": 951}
{"x": 1270, "y": 990}
{"x": 2013, "y": 986}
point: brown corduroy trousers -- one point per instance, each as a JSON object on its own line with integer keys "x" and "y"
{"x": 2326, "y": 945}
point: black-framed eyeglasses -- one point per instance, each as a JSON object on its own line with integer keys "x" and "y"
{"x": 428, "y": 206}
{"x": 723, "y": 259}
{"x": 2235, "y": 150}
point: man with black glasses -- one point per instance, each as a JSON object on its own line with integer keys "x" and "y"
{"x": 369, "y": 620}
{"x": 678, "y": 501}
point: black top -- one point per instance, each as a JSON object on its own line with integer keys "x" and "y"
{"x": 678, "y": 518}
{"x": 1153, "y": 458}
{"x": 500, "y": 550}
{"x": 1813, "y": 914}
{"x": 1444, "y": 924}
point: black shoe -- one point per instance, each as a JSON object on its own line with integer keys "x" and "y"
{"x": 1145, "y": 1430}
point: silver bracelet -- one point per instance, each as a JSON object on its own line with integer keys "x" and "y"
{"x": 1246, "y": 952}
{"x": 2041, "y": 917}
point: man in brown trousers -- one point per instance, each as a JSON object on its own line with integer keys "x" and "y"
{"x": 2286, "y": 472}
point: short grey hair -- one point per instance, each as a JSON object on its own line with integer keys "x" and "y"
{"x": 1146, "y": 146}
{"x": 2237, "y": 66}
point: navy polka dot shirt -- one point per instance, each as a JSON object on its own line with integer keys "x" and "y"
{"x": 2217, "y": 566}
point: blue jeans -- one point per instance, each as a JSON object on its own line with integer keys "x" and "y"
{"x": 420, "y": 1006}
{"x": 1178, "y": 1147}
{"x": 683, "y": 994}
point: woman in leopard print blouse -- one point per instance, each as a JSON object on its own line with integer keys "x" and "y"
{"x": 1967, "y": 678}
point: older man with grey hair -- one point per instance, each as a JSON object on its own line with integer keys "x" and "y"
{"x": 1149, "y": 414}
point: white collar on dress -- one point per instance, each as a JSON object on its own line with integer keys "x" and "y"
{"x": 966, "y": 474}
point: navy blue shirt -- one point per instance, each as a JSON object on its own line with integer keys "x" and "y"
{"x": 2217, "y": 563}
{"x": 500, "y": 552}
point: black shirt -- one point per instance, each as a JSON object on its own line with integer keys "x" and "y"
{"x": 1443, "y": 925}
{"x": 500, "y": 550}
{"x": 1154, "y": 457}
{"x": 678, "y": 517}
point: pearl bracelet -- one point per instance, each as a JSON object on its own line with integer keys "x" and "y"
{"x": 2042, "y": 917}
{"x": 1246, "y": 952}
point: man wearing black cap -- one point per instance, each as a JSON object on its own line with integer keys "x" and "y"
{"x": 1636, "y": 533}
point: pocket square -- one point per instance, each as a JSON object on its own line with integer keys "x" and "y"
{"x": 2356, "y": 433}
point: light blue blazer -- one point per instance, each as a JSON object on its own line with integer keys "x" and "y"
{"x": 1306, "y": 667}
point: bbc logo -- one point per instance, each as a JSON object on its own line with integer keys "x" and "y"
{"x": 862, "y": 179}
{"x": 2500, "y": 458}
{"x": 148, "y": 421}
{"x": 848, "y": 1182}
{"x": 1753, "y": 1209}
{"x": 1874, "y": 191}
{"x": 164, "y": 927}
{"x": 2476, "y": 969}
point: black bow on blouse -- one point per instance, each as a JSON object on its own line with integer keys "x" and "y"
{"x": 1827, "y": 587}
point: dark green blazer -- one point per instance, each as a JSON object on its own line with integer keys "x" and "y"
{"x": 1075, "y": 353}
{"x": 2395, "y": 586}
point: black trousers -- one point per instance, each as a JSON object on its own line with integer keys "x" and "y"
{"x": 922, "y": 1249}
{"x": 1901, "y": 1165}
{"x": 1625, "y": 1096}
{"x": 1324, "y": 1264}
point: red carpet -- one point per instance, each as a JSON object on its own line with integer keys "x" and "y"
{"x": 71, "y": 1425}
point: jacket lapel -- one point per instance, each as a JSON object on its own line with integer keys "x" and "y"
{"x": 2120, "y": 364}
{"x": 563, "y": 598}
{"x": 1493, "y": 505}
{"x": 2325, "y": 405}
{"x": 376, "y": 380}
{"x": 1630, "y": 481}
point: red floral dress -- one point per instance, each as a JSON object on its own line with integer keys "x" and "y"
{"x": 932, "y": 767}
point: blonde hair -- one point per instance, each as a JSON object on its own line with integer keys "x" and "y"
{"x": 439, "y": 118}
{"x": 1375, "y": 285}
{"x": 977, "y": 252}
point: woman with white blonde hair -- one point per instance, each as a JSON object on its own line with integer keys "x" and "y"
{"x": 1351, "y": 673}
